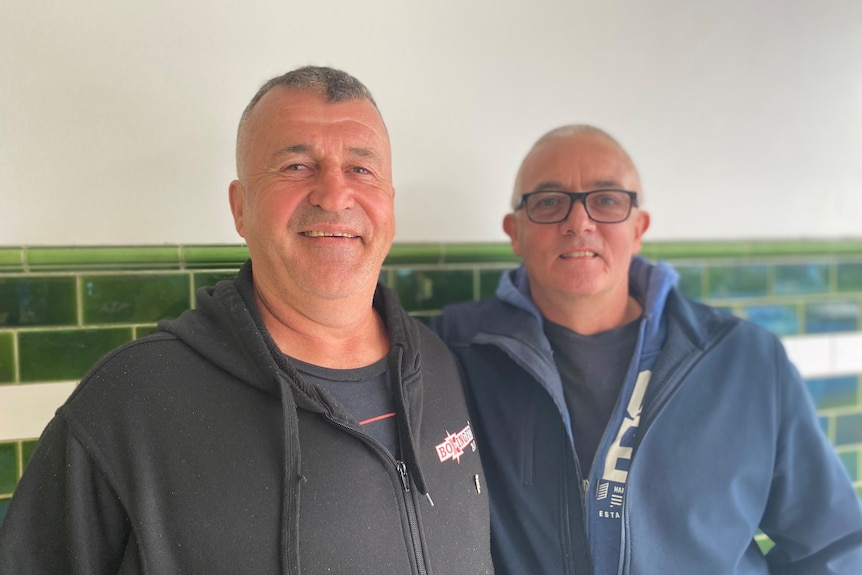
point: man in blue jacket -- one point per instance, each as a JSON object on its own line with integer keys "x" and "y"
{"x": 625, "y": 428}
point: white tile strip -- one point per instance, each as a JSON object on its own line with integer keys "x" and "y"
{"x": 26, "y": 409}
{"x": 826, "y": 355}
{"x": 848, "y": 353}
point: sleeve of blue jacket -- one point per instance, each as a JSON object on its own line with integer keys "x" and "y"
{"x": 812, "y": 514}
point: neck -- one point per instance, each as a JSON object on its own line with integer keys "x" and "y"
{"x": 591, "y": 316}
{"x": 340, "y": 334}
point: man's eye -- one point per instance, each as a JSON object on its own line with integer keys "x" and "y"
{"x": 361, "y": 170}
{"x": 295, "y": 167}
{"x": 547, "y": 202}
{"x": 606, "y": 200}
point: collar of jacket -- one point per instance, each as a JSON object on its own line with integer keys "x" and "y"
{"x": 649, "y": 283}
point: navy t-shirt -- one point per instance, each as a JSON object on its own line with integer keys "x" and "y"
{"x": 593, "y": 369}
{"x": 365, "y": 393}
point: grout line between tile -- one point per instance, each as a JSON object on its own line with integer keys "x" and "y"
{"x": 16, "y": 361}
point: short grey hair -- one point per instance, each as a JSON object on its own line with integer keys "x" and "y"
{"x": 330, "y": 84}
{"x": 563, "y": 132}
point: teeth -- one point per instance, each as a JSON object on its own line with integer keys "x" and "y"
{"x": 579, "y": 254}
{"x": 316, "y": 234}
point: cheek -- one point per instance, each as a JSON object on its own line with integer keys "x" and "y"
{"x": 381, "y": 212}
{"x": 536, "y": 240}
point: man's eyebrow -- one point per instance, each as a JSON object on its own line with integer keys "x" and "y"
{"x": 364, "y": 152}
{"x": 552, "y": 185}
{"x": 294, "y": 149}
{"x": 555, "y": 186}
{"x": 606, "y": 184}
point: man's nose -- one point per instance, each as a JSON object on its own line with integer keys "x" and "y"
{"x": 578, "y": 219}
{"x": 331, "y": 190}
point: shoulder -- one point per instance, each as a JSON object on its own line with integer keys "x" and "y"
{"x": 706, "y": 322}
{"x": 127, "y": 371}
{"x": 459, "y": 322}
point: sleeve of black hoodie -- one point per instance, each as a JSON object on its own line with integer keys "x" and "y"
{"x": 64, "y": 517}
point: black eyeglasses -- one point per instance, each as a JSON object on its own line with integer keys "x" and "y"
{"x": 602, "y": 206}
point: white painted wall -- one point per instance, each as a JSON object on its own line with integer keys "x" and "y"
{"x": 117, "y": 118}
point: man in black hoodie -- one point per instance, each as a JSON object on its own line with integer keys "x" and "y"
{"x": 298, "y": 420}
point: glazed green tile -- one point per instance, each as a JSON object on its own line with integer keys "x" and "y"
{"x": 832, "y": 316}
{"x": 202, "y": 279}
{"x": 11, "y": 259}
{"x": 65, "y": 354}
{"x": 134, "y": 298}
{"x": 801, "y": 279}
{"x": 479, "y": 253}
{"x": 749, "y": 249}
{"x": 414, "y": 254}
{"x": 828, "y": 392}
{"x": 850, "y": 459}
{"x": 103, "y": 257}
{"x": 27, "y": 448}
{"x": 429, "y": 290}
{"x": 145, "y": 330}
{"x": 765, "y": 543}
{"x": 384, "y": 277}
{"x": 779, "y": 319}
{"x": 214, "y": 256}
{"x": 848, "y": 429}
{"x": 7, "y": 358}
{"x": 849, "y": 277}
{"x": 489, "y": 279}
{"x": 37, "y": 301}
{"x": 690, "y": 280}
{"x": 8, "y": 467}
{"x": 823, "y": 421}
{"x": 738, "y": 281}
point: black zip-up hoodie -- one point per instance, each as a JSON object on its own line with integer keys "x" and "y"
{"x": 200, "y": 449}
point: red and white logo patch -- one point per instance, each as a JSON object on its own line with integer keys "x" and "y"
{"x": 455, "y": 443}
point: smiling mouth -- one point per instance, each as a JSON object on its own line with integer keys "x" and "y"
{"x": 581, "y": 254}
{"x": 316, "y": 234}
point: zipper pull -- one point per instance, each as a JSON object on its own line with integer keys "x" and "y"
{"x": 402, "y": 471}
{"x": 585, "y": 484}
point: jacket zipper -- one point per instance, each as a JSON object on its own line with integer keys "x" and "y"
{"x": 401, "y": 469}
{"x": 583, "y": 485}
{"x": 411, "y": 517}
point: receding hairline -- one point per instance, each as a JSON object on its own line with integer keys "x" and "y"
{"x": 329, "y": 84}
{"x": 564, "y": 132}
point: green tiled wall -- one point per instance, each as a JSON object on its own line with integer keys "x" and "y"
{"x": 61, "y": 308}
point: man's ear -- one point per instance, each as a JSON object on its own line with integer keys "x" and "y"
{"x": 641, "y": 226}
{"x": 236, "y": 195}
{"x": 510, "y": 226}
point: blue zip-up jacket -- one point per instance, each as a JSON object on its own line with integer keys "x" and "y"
{"x": 713, "y": 438}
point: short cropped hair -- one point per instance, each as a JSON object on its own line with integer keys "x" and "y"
{"x": 331, "y": 84}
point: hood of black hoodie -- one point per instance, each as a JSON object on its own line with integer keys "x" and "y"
{"x": 227, "y": 329}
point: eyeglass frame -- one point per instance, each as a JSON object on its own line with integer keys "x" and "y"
{"x": 575, "y": 197}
